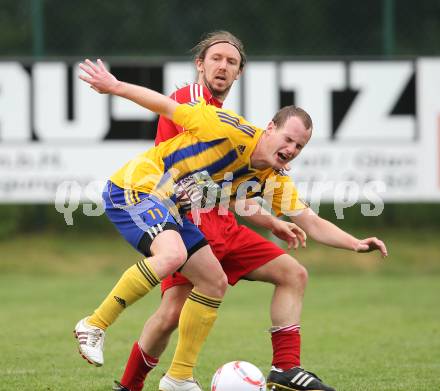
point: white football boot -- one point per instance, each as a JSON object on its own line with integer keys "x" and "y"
{"x": 169, "y": 384}
{"x": 91, "y": 342}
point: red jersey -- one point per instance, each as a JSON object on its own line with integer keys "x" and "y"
{"x": 166, "y": 128}
{"x": 239, "y": 249}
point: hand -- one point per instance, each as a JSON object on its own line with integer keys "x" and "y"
{"x": 183, "y": 202}
{"x": 290, "y": 233}
{"x": 196, "y": 190}
{"x": 371, "y": 244}
{"x": 186, "y": 192}
{"x": 99, "y": 78}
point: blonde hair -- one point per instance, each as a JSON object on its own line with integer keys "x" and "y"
{"x": 286, "y": 112}
{"x": 215, "y": 37}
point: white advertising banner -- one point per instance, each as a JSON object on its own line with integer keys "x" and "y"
{"x": 376, "y": 126}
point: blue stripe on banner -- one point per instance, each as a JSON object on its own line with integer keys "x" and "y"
{"x": 189, "y": 151}
{"x": 216, "y": 166}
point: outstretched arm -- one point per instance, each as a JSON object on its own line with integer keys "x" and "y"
{"x": 102, "y": 81}
{"x": 325, "y": 232}
{"x": 284, "y": 230}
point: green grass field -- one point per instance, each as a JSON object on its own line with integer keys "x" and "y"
{"x": 367, "y": 324}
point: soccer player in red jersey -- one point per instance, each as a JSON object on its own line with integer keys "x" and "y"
{"x": 281, "y": 142}
{"x": 243, "y": 253}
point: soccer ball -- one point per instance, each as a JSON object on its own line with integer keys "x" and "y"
{"x": 238, "y": 376}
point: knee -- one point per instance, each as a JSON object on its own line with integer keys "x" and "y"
{"x": 222, "y": 284}
{"x": 217, "y": 284}
{"x": 173, "y": 260}
{"x": 293, "y": 274}
{"x": 302, "y": 276}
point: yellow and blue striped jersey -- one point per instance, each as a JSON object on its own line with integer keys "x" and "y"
{"x": 215, "y": 140}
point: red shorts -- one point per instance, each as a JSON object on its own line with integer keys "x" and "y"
{"x": 239, "y": 249}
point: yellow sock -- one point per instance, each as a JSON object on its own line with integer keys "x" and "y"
{"x": 196, "y": 320}
{"x": 135, "y": 283}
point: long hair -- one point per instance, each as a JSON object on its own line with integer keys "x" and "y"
{"x": 210, "y": 39}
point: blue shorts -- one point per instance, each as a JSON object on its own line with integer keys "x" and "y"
{"x": 140, "y": 217}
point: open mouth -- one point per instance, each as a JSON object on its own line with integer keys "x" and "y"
{"x": 222, "y": 78}
{"x": 283, "y": 157}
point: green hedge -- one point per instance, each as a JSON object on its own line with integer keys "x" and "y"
{"x": 18, "y": 219}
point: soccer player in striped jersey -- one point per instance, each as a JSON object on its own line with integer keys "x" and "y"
{"x": 219, "y": 59}
{"x": 232, "y": 145}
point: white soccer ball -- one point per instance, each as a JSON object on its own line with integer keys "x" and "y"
{"x": 238, "y": 376}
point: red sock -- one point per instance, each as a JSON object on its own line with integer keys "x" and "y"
{"x": 138, "y": 365}
{"x": 286, "y": 344}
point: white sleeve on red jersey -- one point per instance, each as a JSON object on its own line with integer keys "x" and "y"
{"x": 166, "y": 128}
